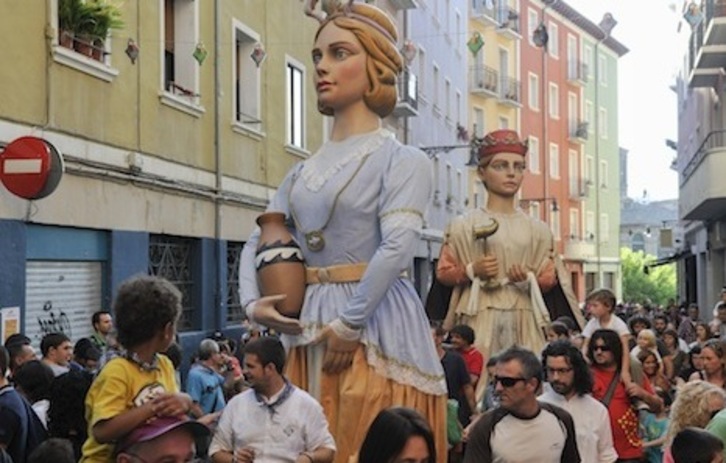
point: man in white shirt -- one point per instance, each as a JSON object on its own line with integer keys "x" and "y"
{"x": 522, "y": 429}
{"x": 273, "y": 421}
{"x": 570, "y": 388}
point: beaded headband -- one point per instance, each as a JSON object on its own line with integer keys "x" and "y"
{"x": 334, "y": 8}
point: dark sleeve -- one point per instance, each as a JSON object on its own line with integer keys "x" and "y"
{"x": 462, "y": 372}
{"x": 570, "y": 453}
{"x": 478, "y": 447}
{"x": 9, "y": 424}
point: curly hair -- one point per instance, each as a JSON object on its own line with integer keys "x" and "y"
{"x": 583, "y": 381}
{"x": 144, "y": 306}
{"x": 609, "y": 338}
{"x": 384, "y": 62}
{"x": 692, "y": 407}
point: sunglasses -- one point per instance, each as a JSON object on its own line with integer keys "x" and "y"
{"x": 601, "y": 348}
{"x": 506, "y": 381}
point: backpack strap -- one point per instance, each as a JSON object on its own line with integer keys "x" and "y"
{"x": 611, "y": 390}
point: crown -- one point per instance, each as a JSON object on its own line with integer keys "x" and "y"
{"x": 332, "y": 9}
{"x": 502, "y": 141}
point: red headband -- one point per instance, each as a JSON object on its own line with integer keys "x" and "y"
{"x": 502, "y": 141}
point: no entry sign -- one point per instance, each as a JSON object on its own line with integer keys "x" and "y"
{"x": 30, "y": 167}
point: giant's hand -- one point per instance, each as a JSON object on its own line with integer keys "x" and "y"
{"x": 486, "y": 267}
{"x": 339, "y": 352}
{"x": 517, "y": 273}
{"x": 264, "y": 312}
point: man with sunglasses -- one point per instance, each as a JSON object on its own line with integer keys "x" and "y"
{"x": 522, "y": 429}
{"x": 570, "y": 388}
{"x": 605, "y": 354}
{"x": 167, "y": 439}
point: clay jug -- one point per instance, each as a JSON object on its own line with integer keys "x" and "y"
{"x": 280, "y": 264}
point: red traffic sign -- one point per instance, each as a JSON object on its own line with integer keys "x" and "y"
{"x": 31, "y": 167}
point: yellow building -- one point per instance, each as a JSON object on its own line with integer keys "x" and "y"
{"x": 173, "y": 140}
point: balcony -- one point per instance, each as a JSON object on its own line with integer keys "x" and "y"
{"x": 577, "y": 249}
{"x": 577, "y": 72}
{"x": 707, "y": 45}
{"x": 702, "y": 192}
{"x": 407, "y": 95}
{"x": 508, "y": 22}
{"x": 404, "y": 4}
{"x": 578, "y": 132}
{"x": 486, "y": 15}
{"x": 578, "y": 189}
{"x": 484, "y": 81}
{"x": 510, "y": 92}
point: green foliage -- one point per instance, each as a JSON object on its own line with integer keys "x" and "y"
{"x": 90, "y": 18}
{"x": 656, "y": 286}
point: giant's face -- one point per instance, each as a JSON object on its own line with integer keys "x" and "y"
{"x": 340, "y": 68}
{"x": 503, "y": 174}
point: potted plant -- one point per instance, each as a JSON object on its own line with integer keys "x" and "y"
{"x": 74, "y": 19}
{"x": 106, "y": 16}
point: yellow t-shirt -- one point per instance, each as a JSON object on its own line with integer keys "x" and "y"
{"x": 120, "y": 386}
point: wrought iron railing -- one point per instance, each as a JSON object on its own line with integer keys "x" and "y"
{"x": 484, "y": 78}
{"x": 235, "y": 312}
{"x": 170, "y": 257}
{"x": 714, "y": 139}
{"x": 511, "y": 90}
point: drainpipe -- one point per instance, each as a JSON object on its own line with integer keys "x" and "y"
{"x": 218, "y": 248}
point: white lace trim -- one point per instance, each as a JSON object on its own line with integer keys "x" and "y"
{"x": 319, "y": 169}
{"x": 405, "y": 374}
{"x": 402, "y": 219}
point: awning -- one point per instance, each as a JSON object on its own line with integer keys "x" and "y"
{"x": 667, "y": 260}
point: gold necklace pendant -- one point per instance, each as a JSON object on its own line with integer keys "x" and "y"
{"x": 315, "y": 240}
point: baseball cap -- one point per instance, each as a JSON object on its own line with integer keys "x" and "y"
{"x": 158, "y": 427}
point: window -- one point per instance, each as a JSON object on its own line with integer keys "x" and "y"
{"x": 555, "y": 225}
{"x": 590, "y": 225}
{"x": 422, "y": 74}
{"x": 447, "y": 100}
{"x": 295, "y": 81}
{"x": 450, "y": 199}
{"x": 603, "y": 123}
{"x": 587, "y": 58}
{"x": 180, "y": 41}
{"x": 603, "y": 70}
{"x": 479, "y": 127}
{"x": 574, "y": 223}
{"x": 554, "y": 160}
{"x": 533, "y": 90}
{"x": 573, "y": 113}
{"x": 554, "y": 103}
{"x": 573, "y": 174}
{"x": 436, "y": 89}
{"x": 534, "y": 210}
{"x": 590, "y": 116}
{"x": 235, "y": 311}
{"x": 459, "y": 34}
{"x": 553, "y": 46}
{"x": 604, "y": 228}
{"x": 604, "y": 174}
{"x": 460, "y": 193}
{"x": 608, "y": 280}
{"x": 503, "y": 122}
{"x": 458, "y": 107}
{"x": 534, "y": 155}
{"x": 532, "y": 23}
{"x": 246, "y": 78}
{"x": 172, "y": 258}
{"x": 590, "y": 170}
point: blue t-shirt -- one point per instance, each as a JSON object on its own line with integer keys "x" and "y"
{"x": 20, "y": 428}
{"x": 205, "y": 388}
{"x": 652, "y": 428}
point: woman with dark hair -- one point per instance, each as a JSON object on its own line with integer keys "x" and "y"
{"x": 398, "y": 435}
{"x": 703, "y": 335}
{"x": 675, "y": 360}
{"x": 695, "y": 364}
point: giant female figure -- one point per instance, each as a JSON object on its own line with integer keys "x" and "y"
{"x": 356, "y": 207}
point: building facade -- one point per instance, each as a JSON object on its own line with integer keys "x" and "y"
{"x": 701, "y": 159}
{"x": 174, "y": 136}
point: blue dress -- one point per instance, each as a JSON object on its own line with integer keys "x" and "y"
{"x": 368, "y": 195}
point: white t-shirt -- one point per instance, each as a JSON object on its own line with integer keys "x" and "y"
{"x": 592, "y": 425}
{"x": 297, "y": 425}
{"x": 540, "y": 439}
{"x": 616, "y": 324}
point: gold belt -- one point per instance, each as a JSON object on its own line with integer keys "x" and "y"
{"x": 344, "y": 273}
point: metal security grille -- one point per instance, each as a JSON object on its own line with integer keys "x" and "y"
{"x": 171, "y": 258}
{"x": 235, "y": 314}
